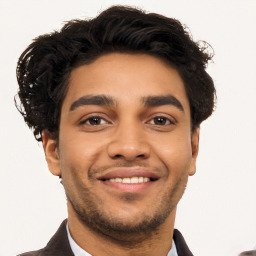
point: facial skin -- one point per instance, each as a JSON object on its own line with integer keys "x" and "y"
{"x": 124, "y": 116}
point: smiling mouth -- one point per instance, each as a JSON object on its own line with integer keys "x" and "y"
{"x": 133, "y": 180}
{"x": 129, "y": 179}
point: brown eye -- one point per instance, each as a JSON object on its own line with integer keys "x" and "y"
{"x": 160, "y": 120}
{"x": 94, "y": 121}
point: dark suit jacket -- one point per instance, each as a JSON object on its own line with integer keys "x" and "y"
{"x": 248, "y": 253}
{"x": 59, "y": 245}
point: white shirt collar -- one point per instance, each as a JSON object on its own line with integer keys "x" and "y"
{"x": 173, "y": 251}
{"x": 78, "y": 251}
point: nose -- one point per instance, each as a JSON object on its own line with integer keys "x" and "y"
{"x": 129, "y": 143}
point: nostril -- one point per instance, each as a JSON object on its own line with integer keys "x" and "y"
{"x": 129, "y": 151}
{"x": 121, "y": 156}
{"x": 118, "y": 156}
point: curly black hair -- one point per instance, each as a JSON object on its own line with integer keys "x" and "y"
{"x": 44, "y": 68}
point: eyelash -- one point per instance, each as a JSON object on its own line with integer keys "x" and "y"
{"x": 166, "y": 121}
{"x": 84, "y": 122}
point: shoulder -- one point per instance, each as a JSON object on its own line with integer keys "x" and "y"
{"x": 33, "y": 253}
{"x": 57, "y": 246}
{"x": 248, "y": 253}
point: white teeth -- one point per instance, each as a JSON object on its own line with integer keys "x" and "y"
{"x": 140, "y": 180}
{"x": 134, "y": 180}
{"x": 130, "y": 180}
{"x": 118, "y": 180}
{"x": 145, "y": 179}
{"x": 126, "y": 180}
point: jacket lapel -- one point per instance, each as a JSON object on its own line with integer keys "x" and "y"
{"x": 59, "y": 244}
{"x": 182, "y": 248}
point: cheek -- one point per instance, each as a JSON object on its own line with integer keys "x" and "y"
{"x": 175, "y": 154}
{"x": 78, "y": 152}
{"x": 76, "y": 158}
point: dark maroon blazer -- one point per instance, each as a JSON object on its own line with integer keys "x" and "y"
{"x": 59, "y": 245}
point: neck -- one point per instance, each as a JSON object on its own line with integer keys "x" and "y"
{"x": 155, "y": 242}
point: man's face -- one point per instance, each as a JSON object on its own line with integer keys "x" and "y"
{"x": 125, "y": 145}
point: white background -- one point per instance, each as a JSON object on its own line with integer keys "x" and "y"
{"x": 217, "y": 214}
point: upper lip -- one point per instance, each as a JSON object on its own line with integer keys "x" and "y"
{"x": 128, "y": 172}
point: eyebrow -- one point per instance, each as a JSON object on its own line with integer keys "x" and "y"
{"x": 104, "y": 100}
{"x": 100, "y": 100}
{"x": 155, "y": 101}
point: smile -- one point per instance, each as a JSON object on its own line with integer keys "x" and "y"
{"x": 128, "y": 180}
{"x": 133, "y": 180}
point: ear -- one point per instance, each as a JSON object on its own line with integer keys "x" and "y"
{"x": 195, "y": 149}
{"x": 51, "y": 153}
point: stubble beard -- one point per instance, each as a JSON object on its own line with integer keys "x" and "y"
{"x": 90, "y": 213}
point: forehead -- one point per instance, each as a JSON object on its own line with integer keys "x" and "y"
{"x": 126, "y": 78}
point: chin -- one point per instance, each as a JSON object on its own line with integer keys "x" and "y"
{"x": 113, "y": 224}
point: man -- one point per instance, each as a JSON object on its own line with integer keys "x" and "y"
{"x": 117, "y": 102}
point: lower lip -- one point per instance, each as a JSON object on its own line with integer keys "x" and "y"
{"x": 129, "y": 187}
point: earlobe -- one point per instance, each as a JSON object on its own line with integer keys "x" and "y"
{"x": 51, "y": 153}
{"x": 195, "y": 149}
